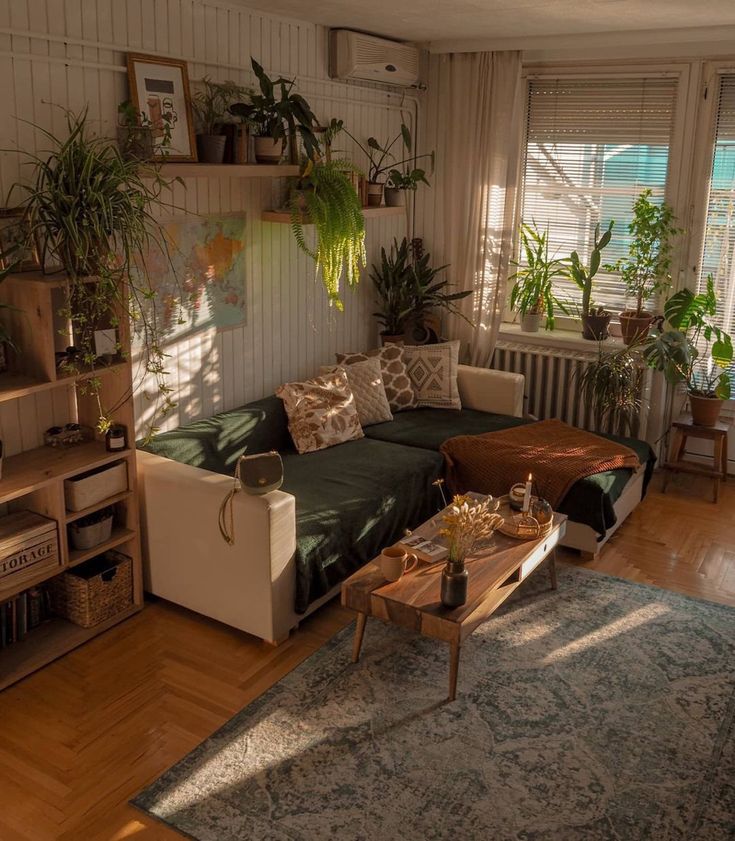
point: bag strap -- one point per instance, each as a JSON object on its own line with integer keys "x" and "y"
{"x": 226, "y": 520}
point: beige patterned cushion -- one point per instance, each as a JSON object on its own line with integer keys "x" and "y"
{"x": 433, "y": 372}
{"x": 321, "y": 412}
{"x": 366, "y": 381}
{"x": 397, "y": 385}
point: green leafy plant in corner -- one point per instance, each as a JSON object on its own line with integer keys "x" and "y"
{"x": 91, "y": 211}
{"x": 428, "y": 293}
{"x": 533, "y": 289}
{"x": 611, "y": 387}
{"x": 327, "y": 199}
{"x": 646, "y": 268}
{"x": 583, "y": 275}
{"x": 694, "y": 350}
{"x": 393, "y": 282}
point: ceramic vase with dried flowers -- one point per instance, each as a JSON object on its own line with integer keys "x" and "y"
{"x": 466, "y": 523}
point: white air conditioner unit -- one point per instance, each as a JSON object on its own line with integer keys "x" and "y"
{"x": 353, "y": 55}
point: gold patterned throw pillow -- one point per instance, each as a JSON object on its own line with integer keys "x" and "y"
{"x": 433, "y": 373}
{"x": 321, "y": 412}
{"x": 398, "y": 388}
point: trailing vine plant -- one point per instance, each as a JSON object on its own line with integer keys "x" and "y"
{"x": 91, "y": 213}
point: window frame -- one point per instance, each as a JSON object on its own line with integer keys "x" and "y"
{"x": 680, "y": 149}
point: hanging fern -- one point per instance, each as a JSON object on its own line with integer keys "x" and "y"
{"x": 328, "y": 200}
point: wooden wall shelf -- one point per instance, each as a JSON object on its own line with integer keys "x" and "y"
{"x": 184, "y": 170}
{"x": 283, "y": 217}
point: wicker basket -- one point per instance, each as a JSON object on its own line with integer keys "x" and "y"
{"x": 96, "y": 590}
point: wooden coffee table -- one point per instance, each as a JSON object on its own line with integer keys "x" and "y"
{"x": 414, "y": 602}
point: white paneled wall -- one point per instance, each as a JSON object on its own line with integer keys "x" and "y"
{"x": 71, "y": 53}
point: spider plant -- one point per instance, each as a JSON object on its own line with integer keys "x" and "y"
{"x": 90, "y": 210}
{"x": 610, "y": 386}
{"x": 327, "y": 199}
{"x": 533, "y": 290}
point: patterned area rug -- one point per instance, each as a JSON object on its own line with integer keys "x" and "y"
{"x": 602, "y": 711}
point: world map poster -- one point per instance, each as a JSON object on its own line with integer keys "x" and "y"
{"x": 200, "y": 282}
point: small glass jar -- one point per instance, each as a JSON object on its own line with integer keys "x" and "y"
{"x": 116, "y": 438}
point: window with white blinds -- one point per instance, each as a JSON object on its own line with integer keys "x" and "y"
{"x": 718, "y": 254}
{"x": 592, "y": 146}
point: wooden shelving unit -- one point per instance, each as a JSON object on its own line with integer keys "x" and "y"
{"x": 184, "y": 170}
{"x": 283, "y": 217}
{"x": 34, "y": 480}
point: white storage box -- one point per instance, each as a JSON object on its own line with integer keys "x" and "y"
{"x": 90, "y": 488}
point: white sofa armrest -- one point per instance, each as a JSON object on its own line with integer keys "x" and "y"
{"x": 486, "y": 390}
{"x": 249, "y": 585}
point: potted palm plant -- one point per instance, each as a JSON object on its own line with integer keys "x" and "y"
{"x": 533, "y": 290}
{"x": 211, "y": 110}
{"x": 595, "y": 319}
{"x": 280, "y": 117}
{"x": 694, "y": 351}
{"x": 645, "y": 270}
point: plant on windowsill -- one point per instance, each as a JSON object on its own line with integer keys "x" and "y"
{"x": 211, "y": 110}
{"x": 646, "y": 269}
{"x": 694, "y": 351}
{"x": 92, "y": 211}
{"x": 533, "y": 290}
{"x": 278, "y": 120}
{"x": 381, "y": 160}
{"x": 595, "y": 319}
{"x": 326, "y": 198}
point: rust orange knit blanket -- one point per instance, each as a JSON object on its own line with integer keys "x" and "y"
{"x": 558, "y": 455}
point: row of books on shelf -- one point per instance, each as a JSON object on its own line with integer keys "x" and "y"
{"x": 24, "y": 613}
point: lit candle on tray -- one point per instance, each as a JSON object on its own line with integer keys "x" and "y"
{"x": 527, "y": 495}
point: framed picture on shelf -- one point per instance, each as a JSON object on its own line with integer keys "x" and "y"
{"x": 159, "y": 90}
{"x": 17, "y": 247}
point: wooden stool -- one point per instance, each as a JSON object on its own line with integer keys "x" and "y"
{"x": 685, "y": 428}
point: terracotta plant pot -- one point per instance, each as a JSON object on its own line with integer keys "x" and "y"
{"x": 395, "y": 197}
{"x": 211, "y": 148}
{"x": 531, "y": 322}
{"x": 268, "y": 150}
{"x": 594, "y": 327}
{"x": 374, "y": 194}
{"x": 705, "y": 410}
{"x": 634, "y": 327}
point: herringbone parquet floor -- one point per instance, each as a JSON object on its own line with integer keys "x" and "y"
{"x": 79, "y": 738}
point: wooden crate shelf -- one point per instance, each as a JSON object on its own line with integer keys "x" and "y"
{"x": 31, "y": 470}
{"x": 188, "y": 170}
{"x": 283, "y": 217}
{"x": 117, "y": 538}
{"x": 49, "y": 642}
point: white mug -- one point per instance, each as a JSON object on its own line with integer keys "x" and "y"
{"x": 394, "y": 561}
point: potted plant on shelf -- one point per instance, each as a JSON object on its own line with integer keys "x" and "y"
{"x": 211, "y": 110}
{"x": 695, "y": 351}
{"x": 381, "y": 160}
{"x": 595, "y": 319}
{"x": 279, "y": 118}
{"x": 399, "y": 183}
{"x": 645, "y": 270}
{"x": 533, "y": 290}
{"x": 393, "y": 283}
{"x": 92, "y": 211}
{"x": 326, "y": 198}
{"x": 135, "y": 133}
{"x": 611, "y": 387}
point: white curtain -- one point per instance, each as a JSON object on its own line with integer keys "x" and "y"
{"x": 473, "y": 118}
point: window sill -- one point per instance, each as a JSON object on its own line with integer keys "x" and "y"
{"x": 564, "y": 339}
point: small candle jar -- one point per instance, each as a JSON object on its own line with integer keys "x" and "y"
{"x": 116, "y": 438}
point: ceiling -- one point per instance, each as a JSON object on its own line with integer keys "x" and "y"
{"x": 508, "y": 22}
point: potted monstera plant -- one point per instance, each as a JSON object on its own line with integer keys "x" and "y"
{"x": 646, "y": 268}
{"x": 695, "y": 351}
